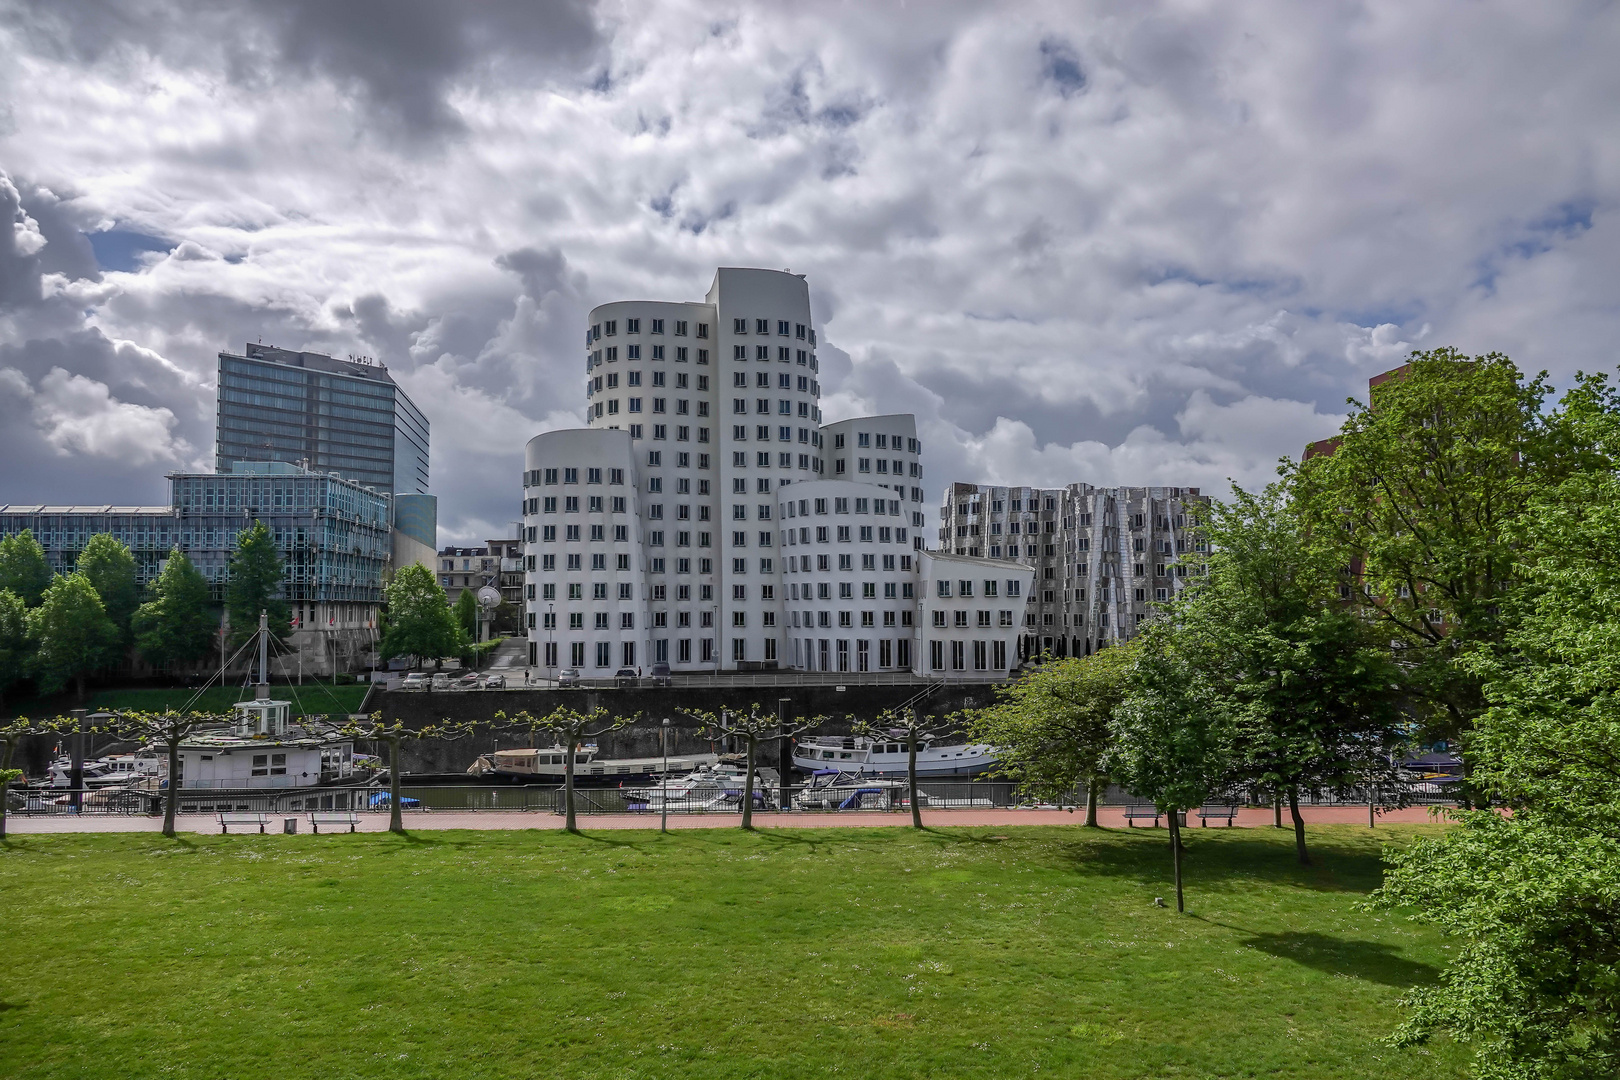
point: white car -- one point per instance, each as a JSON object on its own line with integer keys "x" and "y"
{"x": 414, "y": 680}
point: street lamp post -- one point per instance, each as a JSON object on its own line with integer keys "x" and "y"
{"x": 663, "y": 742}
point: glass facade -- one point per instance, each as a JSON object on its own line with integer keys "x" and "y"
{"x": 328, "y": 414}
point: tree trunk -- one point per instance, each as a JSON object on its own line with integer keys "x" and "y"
{"x": 1299, "y": 827}
{"x": 1093, "y": 795}
{"x": 568, "y": 786}
{"x": 1372, "y": 805}
{"x": 1175, "y": 856}
{"x": 395, "y": 823}
{"x": 748, "y": 785}
{"x": 172, "y": 803}
{"x": 1276, "y": 809}
{"x": 911, "y": 777}
{"x": 5, "y": 785}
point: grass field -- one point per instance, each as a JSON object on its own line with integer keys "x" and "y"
{"x": 787, "y": 953}
{"x": 312, "y": 698}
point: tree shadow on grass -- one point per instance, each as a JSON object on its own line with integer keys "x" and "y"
{"x": 1224, "y": 863}
{"x": 1374, "y": 961}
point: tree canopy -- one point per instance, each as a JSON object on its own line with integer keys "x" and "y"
{"x": 72, "y": 634}
{"x": 255, "y": 585}
{"x": 420, "y": 622}
{"x": 175, "y": 626}
{"x": 24, "y": 569}
{"x": 14, "y": 645}
{"x": 107, "y": 562}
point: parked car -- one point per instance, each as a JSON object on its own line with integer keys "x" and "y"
{"x": 414, "y": 680}
{"x": 660, "y": 674}
{"x": 495, "y": 682}
{"x": 626, "y": 676}
{"x": 568, "y": 676}
{"x": 469, "y": 679}
{"x": 441, "y": 681}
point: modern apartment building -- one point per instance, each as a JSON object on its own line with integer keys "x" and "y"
{"x": 342, "y": 416}
{"x": 707, "y": 519}
{"x": 1102, "y": 557}
{"x": 332, "y": 535}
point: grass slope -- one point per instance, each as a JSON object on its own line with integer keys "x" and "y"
{"x": 853, "y": 952}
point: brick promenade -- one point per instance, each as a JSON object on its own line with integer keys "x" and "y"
{"x": 1110, "y": 817}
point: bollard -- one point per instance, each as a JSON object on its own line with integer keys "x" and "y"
{"x": 289, "y": 825}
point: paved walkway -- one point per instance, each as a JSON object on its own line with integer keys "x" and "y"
{"x": 1109, "y": 817}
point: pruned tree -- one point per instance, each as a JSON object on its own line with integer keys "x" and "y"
{"x": 909, "y": 726}
{"x": 396, "y": 734}
{"x": 1054, "y": 725}
{"x": 169, "y": 730}
{"x": 750, "y": 726}
{"x": 1172, "y": 736}
{"x": 571, "y": 728}
{"x": 13, "y": 732}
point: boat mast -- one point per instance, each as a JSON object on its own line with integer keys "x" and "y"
{"x": 264, "y": 655}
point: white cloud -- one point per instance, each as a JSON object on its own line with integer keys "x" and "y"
{"x": 79, "y": 417}
{"x": 1157, "y": 243}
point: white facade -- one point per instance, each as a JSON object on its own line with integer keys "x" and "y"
{"x": 706, "y": 518}
{"x": 1102, "y": 558}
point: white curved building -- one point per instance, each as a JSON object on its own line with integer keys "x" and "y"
{"x": 705, "y": 518}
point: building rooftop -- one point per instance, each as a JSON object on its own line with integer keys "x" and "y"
{"x": 38, "y": 509}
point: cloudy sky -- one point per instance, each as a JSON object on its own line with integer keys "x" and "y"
{"x": 1106, "y": 242}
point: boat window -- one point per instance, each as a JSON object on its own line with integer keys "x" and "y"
{"x": 845, "y": 757}
{"x": 261, "y": 764}
{"x": 826, "y": 755}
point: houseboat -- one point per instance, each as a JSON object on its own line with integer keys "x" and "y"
{"x": 548, "y": 765}
{"x": 888, "y": 757}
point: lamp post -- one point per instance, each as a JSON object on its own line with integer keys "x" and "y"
{"x": 663, "y": 742}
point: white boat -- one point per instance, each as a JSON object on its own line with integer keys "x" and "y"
{"x": 835, "y": 789}
{"x": 103, "y": 772}
{"x": 887, "y": 757}
{"x": 549, "y": 765}
{"x": 717, "y": 787}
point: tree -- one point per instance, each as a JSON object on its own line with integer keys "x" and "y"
{"x": 1312, "y": 693}
{"x": 255, "y": 584}
{"x": 1533, "y": 897}
{"x": 1054, "y": 726}
{"x": 466, "y": 611}
{"x": 750, "y": 726}
{"x": 72, "y": 632}
{"x": 106, "y": 561}
{"x": 571, "y": 728}
{"x": 420, "y": 623}
{"x": 169, "y": 730}
{"x": 395, "y": 734}
{"x": 1414, "y": 504}
{"x": 11, "y": 733}
{"x": 174, "y": 627}
{"x": 1172, "y": 739}
{"x": 23, "y": 567}
{"x": 14, "y": 645}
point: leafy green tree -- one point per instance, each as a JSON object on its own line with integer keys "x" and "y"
{"x": 72, "y": 633}
{"x": 1054, "y": 726}
{"x": 107, "y": 562}
{"x": 420, "y": 622}
{"x": 1534, "y": 897}
{"x": 1172, "y": 737}
{"x": 23, "y": 567}
{"x": 255, "y": 585}
{"x": 175, "y": 626}
{"x": 466, "y": 610}
{"x": 1312, "y": 693}
{"x": 1415, "y": 503}
{"x": 14, "y": 645}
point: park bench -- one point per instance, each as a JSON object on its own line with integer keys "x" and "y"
{"x": 227, "y": 820}
{"x": 333, "y": 817}
{"x": 1218, "y": 812}
{"x": 1147, "y": 812}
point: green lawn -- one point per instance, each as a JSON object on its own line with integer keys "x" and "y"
{"x": 783, "y": 954}
{"x": 309, "y": 698}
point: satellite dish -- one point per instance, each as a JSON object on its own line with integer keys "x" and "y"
{"x": 489, "y": 597}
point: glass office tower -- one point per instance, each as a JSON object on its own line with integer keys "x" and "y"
{"x": 330, "y": 415}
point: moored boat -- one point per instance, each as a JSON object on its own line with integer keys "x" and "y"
{"x": 888, "y": 757}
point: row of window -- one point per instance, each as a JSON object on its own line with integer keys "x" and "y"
{"x": 633, "y": 378}
{"x": 987, "y": 656}
{"x": 762, "y": 407}
{"x": 656, "y": 565}
{"x": 762, "y": 433}
{"x": 567, "y": 475}
{"x": 783, "y": 355}
{"x": 864, "y": 465}
{"x": 869, "y": 534}
{"x": 846, "y": 590}
{"x": 805, "y": 564}
{"x": 627, "y": 652}
{"x": 814, "y": 654}
{"x": 784, "y": 381}
{"x": 610, "y": 355}
{"x": 763, "y": 326}
{"x": 846, "y": 619}
{"x": 570, "y": 504}
{"x": 598, "y": 534}
{"x": 633, "y": 326}
{"x": 840, "y": 505}
{"x": 959, "y": 619}
{"x": 864, "y": 440}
